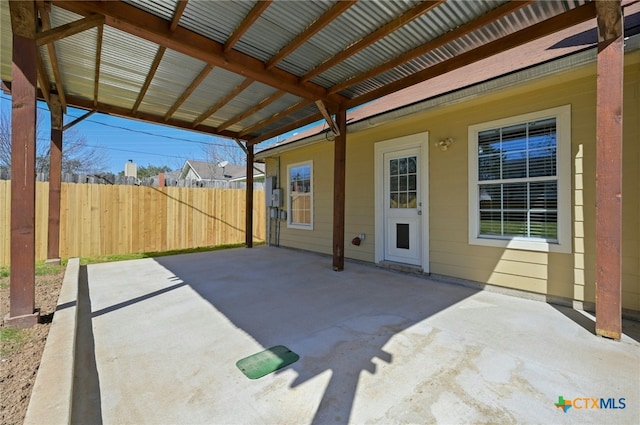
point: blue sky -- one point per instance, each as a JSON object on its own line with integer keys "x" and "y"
{"x": 125, "y": 139}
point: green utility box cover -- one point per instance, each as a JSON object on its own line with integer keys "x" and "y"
{"x": 267, "y": 361}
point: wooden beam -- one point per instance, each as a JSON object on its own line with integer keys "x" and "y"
{"x": 78, "y": 120}
{"x": 43, "y": 78}
{"x": 241, "y": 146}
{"x": 189, "y": 90}
{"x": 24, "y": 71}
{"x": 44, "y": 9}
{"x": 416, "y": 11}
{"x": 249, "y": 198}
{"x": 609, "y": 136}
{"x": 448, "y": 37}
{"x": 96, "y": 77}
{"x": 276, "y": 117}
{"x": 233, "y": 93}
{"x": 336, "y": 10}
{"x": 180, "y": 7}
{"x": 339, "y": 169}
{"x": 518, "y": 38}
{"x": 327, "y": 117}
{"x": 55, "y": 179}
{"x": 150, "y": 74}
{"x": 66, "y": 30}
{"x": 263, "y": 104}
{"x": 285, "y": 128}
{"x": 152, "y": 28}
{"x": 246, "y": 23}
{"x": 83, "y": 103}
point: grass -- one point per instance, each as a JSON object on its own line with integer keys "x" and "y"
{"x": 123, "y": 257}
{"x": 12, "y": 336}
{"x": 43, "y": 269}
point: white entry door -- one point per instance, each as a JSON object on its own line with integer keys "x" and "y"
{"x": 402, "y": 209}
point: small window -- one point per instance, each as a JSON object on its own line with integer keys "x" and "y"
{"x": 519, "y": 182}
{"x": 300, "y": 195}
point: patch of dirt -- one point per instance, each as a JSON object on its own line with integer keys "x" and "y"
{"x": 20, "y": 355}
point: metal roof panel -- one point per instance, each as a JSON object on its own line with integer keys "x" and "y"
{"x": 278, "y": 25}
{"x": 215, "y": 19}
{"x": 218, "y": 84}
{"x": 124, "y": 64}
{"x": 175, "y": 73}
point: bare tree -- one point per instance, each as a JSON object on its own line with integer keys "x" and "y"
{"x": 224, "y": 150}
{"x": 77, "y": 156}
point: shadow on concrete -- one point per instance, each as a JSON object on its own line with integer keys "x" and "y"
{"x": 136, "y": 300}
{"x": 335, "y": 321}
{"x": 86, "y": 407}
{"x": 577, "y": 317}
{"x": 630, "y": 328}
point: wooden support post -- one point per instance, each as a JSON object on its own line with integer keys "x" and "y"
{"x": 24, "y": 71}
{"x": 249, "y": 209}
{"x": 609, "y": 169}
{"x": 55, "y": 180}
{"x": 339, "y": 161}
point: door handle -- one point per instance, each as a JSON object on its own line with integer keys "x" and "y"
{"x": 419, "y": 212}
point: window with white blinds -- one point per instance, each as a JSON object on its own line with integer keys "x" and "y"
{"x": 517, "y": 179}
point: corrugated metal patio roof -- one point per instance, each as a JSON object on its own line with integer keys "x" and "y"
{"x": 252, "y": 70}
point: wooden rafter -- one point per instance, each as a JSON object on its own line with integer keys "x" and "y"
{"x": 43, "y": 78}
{"x": 158, "y": 58}
{"x": 45, "y": 9}
{"x": 448, "y": 37}
{"x": 152, "y": 28}
{"x": 96, "y": 76}
{"x": 289, "y": 127}
{"x": 518, "y": 38}
{"x": 66, "y": 30}
{"x": 150, "y": 74}
{"x": 275, "y": 117}
{"x": 418, "y": 10}
{"x": 181, "y": 6}
{"x": 336, "y": 10}
{"x": 263, "y": 104}
{"x": 194, "y": 85}
{"x": 233, "y": 93}
{"x": 251, "y": 17}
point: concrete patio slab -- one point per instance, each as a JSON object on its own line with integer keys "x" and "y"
{"x": 160, "y": 341}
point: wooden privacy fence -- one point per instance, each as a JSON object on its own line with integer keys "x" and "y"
{"x": 115, "y": 219}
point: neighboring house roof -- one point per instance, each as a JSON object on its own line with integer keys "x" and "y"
{"x": 172, "y": 174}
{"x": 212, "y": 171}
{"x": 556, "y": 46}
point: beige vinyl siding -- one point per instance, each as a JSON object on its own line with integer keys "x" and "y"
{"x": 320, "y": 238}
{"x": 570, "y": 275}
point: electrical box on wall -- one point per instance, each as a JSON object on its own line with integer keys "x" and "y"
{"x": 276, "y": 197}
{"x": 270, "y": 184}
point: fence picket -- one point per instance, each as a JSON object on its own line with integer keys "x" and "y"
{"x": 102, "y": 219}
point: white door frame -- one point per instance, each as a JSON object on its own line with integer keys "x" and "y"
{"x": 420, "y": 141}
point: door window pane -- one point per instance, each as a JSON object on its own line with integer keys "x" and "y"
{"x": 403, "y": 182}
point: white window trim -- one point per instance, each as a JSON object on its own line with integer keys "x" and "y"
{"x": 291, "y": 225}
{"x": 563, "y": 167}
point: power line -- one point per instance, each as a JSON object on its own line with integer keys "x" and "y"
{"x": 140, "y": 152}
{"x": 148, "y": 133}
